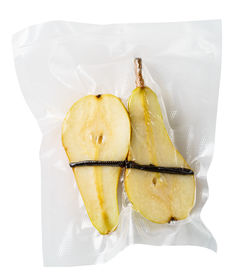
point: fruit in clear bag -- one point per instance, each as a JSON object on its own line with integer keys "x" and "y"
{"x": 158, "y": 197}
{"x": 97, "y": 128}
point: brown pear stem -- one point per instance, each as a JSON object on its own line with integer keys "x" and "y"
{"x": 138, "y": 72}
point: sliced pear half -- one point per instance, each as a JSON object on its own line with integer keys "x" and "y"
{"x": 97, "y": 128}
{"x": 158, "y": 197}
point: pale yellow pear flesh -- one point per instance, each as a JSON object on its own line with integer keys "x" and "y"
{"x": 158, "y": 197}
{"x": 98, "y": 128}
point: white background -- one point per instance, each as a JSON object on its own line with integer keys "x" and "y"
{"x": 227, "y": 210}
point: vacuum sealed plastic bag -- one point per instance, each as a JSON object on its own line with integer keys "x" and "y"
{"x": 79, "y": 82}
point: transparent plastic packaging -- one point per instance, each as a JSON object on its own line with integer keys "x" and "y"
{"x": 57, "y": 63}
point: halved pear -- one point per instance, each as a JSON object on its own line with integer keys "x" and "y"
{"x": 158, "y": 197}
{"x": 98, "y": 128}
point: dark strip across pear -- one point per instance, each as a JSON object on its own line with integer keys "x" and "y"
{"x": 134, "y": 165}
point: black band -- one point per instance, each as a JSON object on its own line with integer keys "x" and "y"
{"x": 134, "y": 165}
{"x": 159, "y": 169}
{"x": 98, "y": 163}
